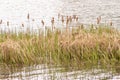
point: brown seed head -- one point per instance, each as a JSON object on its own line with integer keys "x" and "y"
{"x": 67, "y": 20}
{"x": 76, "y": 18}
{"x": 22, "y": 25}
{"x": 62, "y": 19}
{"x": 28, "y": 16}
{"x": 111, "y": 23}
{"x": 52, "y": 21}
{"x": 33, "y": 20}
{"x": 98, "y": 20}
{"x": 42, "y": 22}
{"x": 1, "y": 21}
{"x": 7, "y": 23}
{"x": 58, "y": 16}
{"x": 70, "y": 18}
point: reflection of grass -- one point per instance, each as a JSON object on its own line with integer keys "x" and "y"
{"x": 73, "y": 48}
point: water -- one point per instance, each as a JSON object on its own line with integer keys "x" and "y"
{"x": 87, "y": 10}
{"x": 15, "y": 11}
{"x": 43, "y": 72}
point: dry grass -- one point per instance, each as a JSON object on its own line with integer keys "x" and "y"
{"x": 78, "y": 47}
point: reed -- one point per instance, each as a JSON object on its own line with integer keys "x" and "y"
{"x": 1, "y": 21}
{"x": 42, "y": 22}
{"x": 8, "y": 23}
{"x": 28, "y": 16}
{"x": 76, "y": 48}
{"x": 53, "y": 22}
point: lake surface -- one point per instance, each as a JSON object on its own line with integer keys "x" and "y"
{"x": 44, "y": 72}
{"x": 15, "y": 11}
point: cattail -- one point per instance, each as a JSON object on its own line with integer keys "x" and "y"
{"x": 67, "y": 17}
{"x": 82, "y": 26}
{"x": 22, "y": 25}
{"x": 7, "y": 23}
{"x": 42, "y": 22}
{"x": 28, "y": 16}
{"x": 76, "y": 18}
{"x": 62, "y": 19}
{"x": 92, "y": 26}
{"x": 52, "y": 21}
{"x": 67, "y": 20}
{"x": 70, "y": 18}
{"x": 33, "y": 20}
{"x": 98, "y": 20}
{"x": 111, "y": 23}
{"x": 0, "y": 21}
{"x": 58, "y": 16}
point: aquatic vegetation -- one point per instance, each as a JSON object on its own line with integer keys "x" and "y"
{"x": 76, "y": 47}
{"x": 73, "y": 45}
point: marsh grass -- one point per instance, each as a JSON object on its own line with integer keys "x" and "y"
{"x": 75, "y": 48}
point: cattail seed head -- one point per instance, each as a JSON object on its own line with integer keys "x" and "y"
{"x": 70, "y": 18}
{"x": 58, "y": 16}
{"x": 111, "y": 23}
{"x": 98, "y": 20}
{"x": 1, "y": 21}
{"x": 22, "y": 25}
{"x": 28, "y": 16}
{"x": 62, "y": 19}
{"x": 7, "y": 23}
{"x": 52, "y": 21}
{"x": 42, "y": 22}
{"x": 76, "y": 18}
{"x": 82, "y": 26}
{"x": 33, "y": 20}
{"x": 67, "y": 20}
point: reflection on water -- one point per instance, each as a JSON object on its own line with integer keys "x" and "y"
{"x": 43, "y": 72}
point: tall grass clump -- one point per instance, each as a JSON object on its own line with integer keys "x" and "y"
{"x": 76, "y": 47}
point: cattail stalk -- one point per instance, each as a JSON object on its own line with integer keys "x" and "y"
{"x": 53, "y": 21}
{"x": 1, "y": 21}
